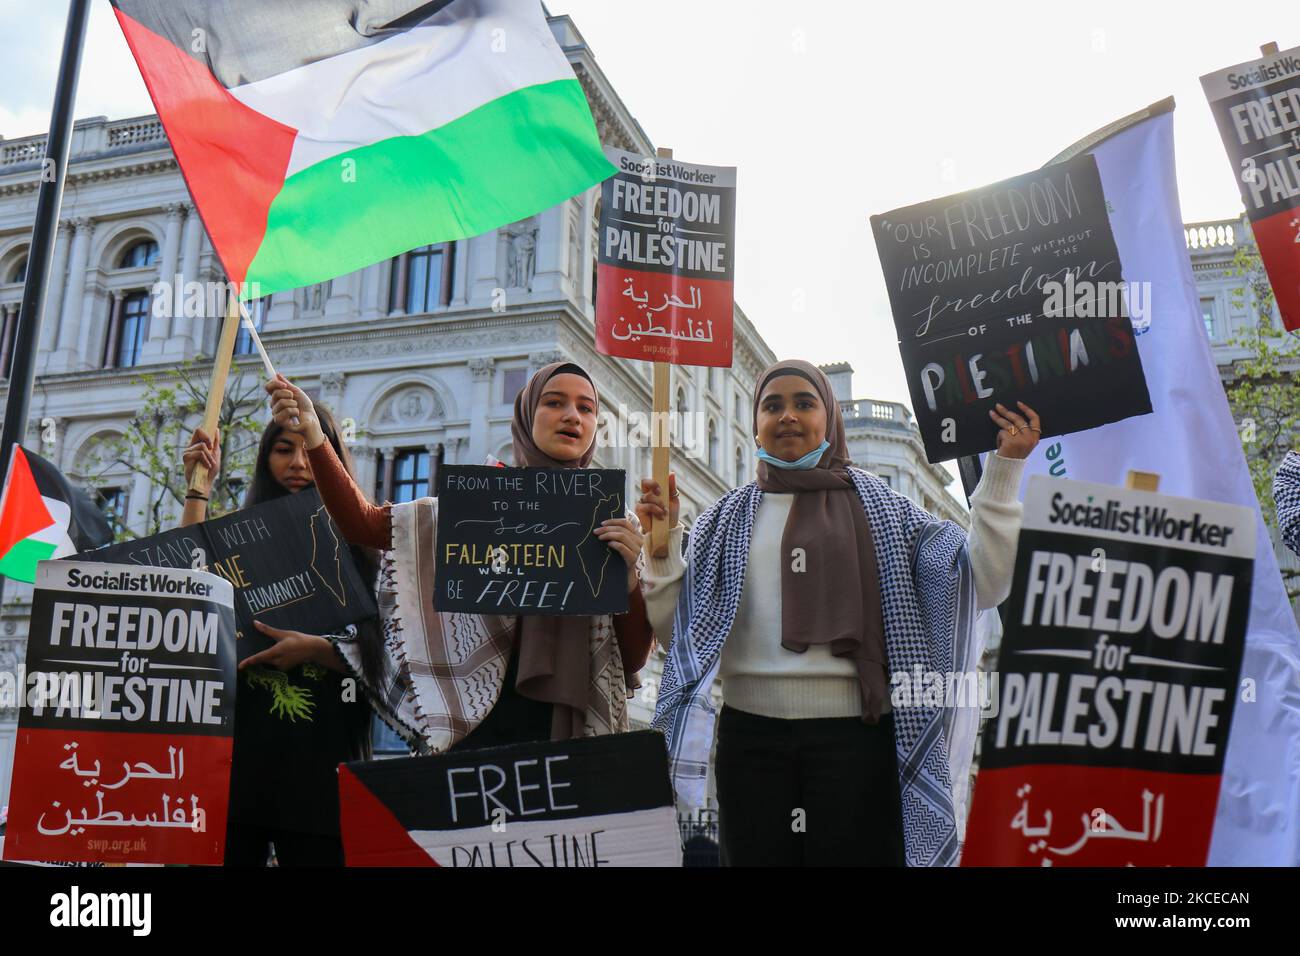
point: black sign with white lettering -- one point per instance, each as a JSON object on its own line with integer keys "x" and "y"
{"x": 1116, "y": 679}
{"x": 127, "y": 720}
{"x": 1013, "y": 292}
{"x": 288, "y": 563}
{"x": 521, "y": 541}
{"x": 590, "y": 802}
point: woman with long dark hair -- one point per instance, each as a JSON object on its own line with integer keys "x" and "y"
{"x": 809, "y": 592}
{"x": 472, "y": 680}
{"x": 296, "y": 719}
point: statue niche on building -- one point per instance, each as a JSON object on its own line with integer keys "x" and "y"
{"x": 519, "y": 241}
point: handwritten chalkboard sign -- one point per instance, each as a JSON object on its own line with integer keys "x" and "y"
{"x": 520, "y": 541}
{"x": 1013, "y": 292}
{"x": 289, "y": 565}
{"x": 591, "y": 802}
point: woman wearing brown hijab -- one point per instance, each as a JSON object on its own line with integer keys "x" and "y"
{"x": 804, "y": 591}
{"x": 549, "y": 677}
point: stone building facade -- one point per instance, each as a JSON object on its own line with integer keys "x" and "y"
{"x": 423, "y": 353}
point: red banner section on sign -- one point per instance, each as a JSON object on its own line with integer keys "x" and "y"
{"x": 661, "y": 317}
{"x": 1278, "y": 238}
{"x": 119, "y": 798}
{"x": 1046, "y": 815}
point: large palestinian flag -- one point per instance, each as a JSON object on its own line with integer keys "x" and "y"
{"x": 320, "y": 136}
{"x": 43, "y": 516}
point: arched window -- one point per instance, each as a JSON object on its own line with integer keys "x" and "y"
{"x": 740, "y": 465}
{"x": 681, "y": 401}
{"x": 713, "y": 445}
{"x": 142, "y": 253}
{"x": 19, "y": 273}
{"x": 126, "y": 337}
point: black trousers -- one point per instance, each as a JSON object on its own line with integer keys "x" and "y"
{"x": 821, "y": 792}
{"x": 513, "y": 719}
{"x": 250, "y": 846}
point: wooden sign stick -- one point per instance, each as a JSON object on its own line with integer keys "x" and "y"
{"x": 1268, "y": 49}
{"x": 659, "y": 437}
{"x": 217, "y": 386}
{"x": 1142, "y": 481}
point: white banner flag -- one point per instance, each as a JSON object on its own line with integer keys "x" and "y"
{"x": 1190, "y": 440}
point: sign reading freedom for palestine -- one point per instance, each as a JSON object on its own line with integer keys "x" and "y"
{"x": 1013, "y": 292}
{"x": 124, "y": 743}
{"x": 1257, "y": 107}
{"x": 666, "y": 263}
{"x": 1116, "y": 680}
{"x": 590, "y": 802}
{"x": 520, "y": 541}
{"x": 288, "y": 563}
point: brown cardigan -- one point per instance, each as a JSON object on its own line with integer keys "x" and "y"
{"x": 372, "y": 526}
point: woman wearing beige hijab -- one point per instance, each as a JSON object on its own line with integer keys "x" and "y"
{"x": 547, "y": 677}
{"x": 806, "y": 591}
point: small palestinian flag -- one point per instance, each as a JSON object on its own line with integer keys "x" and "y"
{"x": 42, "y": 517}
{"x": 586, "y": 802}
{"x": 320, "y": 136}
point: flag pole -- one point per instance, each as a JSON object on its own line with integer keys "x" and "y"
{"x": 217, "y": 385}
{"x": 48, "y": 200}
{"x": 659, "y": 439}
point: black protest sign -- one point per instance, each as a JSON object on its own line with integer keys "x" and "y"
{"x": 1257, "y": 108}
{"x": 521, "y": 541}
{"x": 590, "y": 802}
{"x": 1013, "y": 292}
{"x": 124, "y": 745}
{"x": 289, "y": 565}
{"x": 1116, "y": 680}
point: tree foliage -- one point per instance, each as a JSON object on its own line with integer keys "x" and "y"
{"x": 1261, "y": 389}
{"x": 171, "y": 407}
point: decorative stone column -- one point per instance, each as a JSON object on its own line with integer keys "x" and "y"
{"x": 480, "y": 369}
{"x": 182, "y": 342}
{"x": 160, "y": 325}
{"x": 54, "y": 295}
{"x": 331, "y": 392}
{"x": 387, "y": 465}
{"x": 7, "y": 330}
{"x": 65, "y": 357}
{"x": 398, "y": 304}
{"x": 114, "y": 330}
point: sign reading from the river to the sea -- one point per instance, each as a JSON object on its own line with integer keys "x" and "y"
{"x": 520, "y": 541}
{"x": 1116, "y": 680}
{"x": 666, "y": 261}
{"x": 1013, "y": 292}
{"x": 124, "y": 737}
{"x": 288, "y": 563}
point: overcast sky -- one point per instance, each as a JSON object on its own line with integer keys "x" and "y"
{"x": 832, "y": 111}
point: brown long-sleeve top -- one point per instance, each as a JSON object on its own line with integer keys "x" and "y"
{"x": 372, "y": 526}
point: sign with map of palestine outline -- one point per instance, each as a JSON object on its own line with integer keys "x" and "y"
{"x": 520, "y": 541}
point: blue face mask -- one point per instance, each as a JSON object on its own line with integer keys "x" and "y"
{"x": 803, "y": 464}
